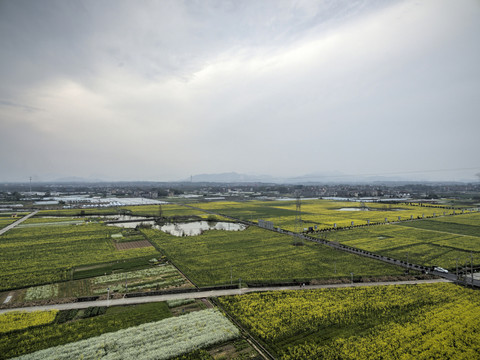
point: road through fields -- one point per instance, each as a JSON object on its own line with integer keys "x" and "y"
{"x": 19, "y": 221}
{"x": 206, "y": 294}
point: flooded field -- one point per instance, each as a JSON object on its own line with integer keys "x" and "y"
{"x": 184, "y": 229}
{"x": 197, "y": 227}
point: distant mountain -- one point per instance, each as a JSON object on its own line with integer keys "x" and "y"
{"x": 231, "y": 177}
{"x": 313, "y": 178}
{"x": 76, "y": 179}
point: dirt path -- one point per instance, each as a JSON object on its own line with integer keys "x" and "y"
{"x": 205, "y": 294}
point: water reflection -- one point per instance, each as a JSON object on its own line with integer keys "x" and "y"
{"x": 184, "y": 229}
{"x": 198, "y": 227}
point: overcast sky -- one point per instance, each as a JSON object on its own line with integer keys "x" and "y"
{"x": 161, "y": 90}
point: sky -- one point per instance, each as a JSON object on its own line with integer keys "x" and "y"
{"x": 162, "y": 90}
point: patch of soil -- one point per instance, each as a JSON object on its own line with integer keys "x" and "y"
{"x": 132, "y": 245}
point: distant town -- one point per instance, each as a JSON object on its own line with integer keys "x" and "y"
{"x": 78, "y": 194}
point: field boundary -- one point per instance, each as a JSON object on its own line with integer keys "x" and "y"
{"x": 437, "y": 231}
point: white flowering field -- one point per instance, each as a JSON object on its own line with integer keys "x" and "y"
{"x": 42, "y": 292}
{"x": 159, "y": 277}
{"x": 158, "y": 340}
{"x": 139, "y": 274}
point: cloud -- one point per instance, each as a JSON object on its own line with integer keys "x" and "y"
{"x": 167, "y": 89}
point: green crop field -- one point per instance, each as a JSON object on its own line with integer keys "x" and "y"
{"x": 428, "y": 321}
{"x": 150, "y": 278}
{"x": 323, "y": 213}
{"x": 468, "y": 224}
{"x": 256, "y": 255}
{"x": 38, "y": 255}
{"x": 439, "y": 241}
{"x": 168, "y": 210}
{"x": 7, "y": 219}
{"x": 81, "y": 212}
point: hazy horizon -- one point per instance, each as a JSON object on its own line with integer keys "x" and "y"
{"x": 165, "y": 90}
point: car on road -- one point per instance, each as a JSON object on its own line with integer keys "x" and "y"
{"x": 440, "y": 269}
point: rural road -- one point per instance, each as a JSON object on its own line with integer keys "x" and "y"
{"x": 205, "y": 294}
{"x": 19, "y": 221}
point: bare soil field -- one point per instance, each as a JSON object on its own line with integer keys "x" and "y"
{"x": 132, "y": 245}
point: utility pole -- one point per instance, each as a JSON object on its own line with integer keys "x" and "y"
{"x": 298, "y": 217}
{"x": 407, "y": 262}
{"x": 457, "y": 269}
{"x": 471, "y": 266}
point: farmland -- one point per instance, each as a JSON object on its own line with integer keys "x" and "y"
{"x": 168, "y": 210}
{"x": 324, "y": 214}
{"x": 439, "y": 241}
{"x": 53, "y": 258}
{"x": 156, "y": 278}
{"x": 409, "y": 321}
{"x": 160, "y": 340}
{"x": 74, "y": 325}
{"x": 17, "y": 320}
{"x": 46, "y": 254}
{"x": 258, "y": 255}
{"x": 6, "y": 219}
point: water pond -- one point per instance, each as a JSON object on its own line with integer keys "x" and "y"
{"x": 198, "y": 227}
{"x": 353, "y": 209}
{"x": 185, "y": 229}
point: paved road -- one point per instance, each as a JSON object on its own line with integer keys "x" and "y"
{"x": 204, "y": 294}
{"x": 19, "y": 221}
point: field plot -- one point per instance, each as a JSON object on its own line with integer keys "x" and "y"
{"x": 157, "y": 278}
{"x": 428, "y": 321}
{"x": 129, "y": 239}
{"x": 468, "y": 224}
{"x": 323, "y": 213}
{"x": 152, "y": 278}
{"x": 168, "y": 210}
{"x": 74, "y": 325}
{"x": 257, "y": 255}
{"x": 81, "y": 212}
{"x": 40, "y": 255}
{"x": 132, "y": 245}
{"x": 250, "y": 210}
{"x": 18, "y": 320}
{"x": 51, "y": 221}
{"x": 156, "y": 340}
{"x": 426, "y": 242}
{"x": 6, "y": 220}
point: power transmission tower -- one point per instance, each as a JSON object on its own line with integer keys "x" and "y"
{"x": 298, "y": 221}
{"x": 298, "y": 215}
